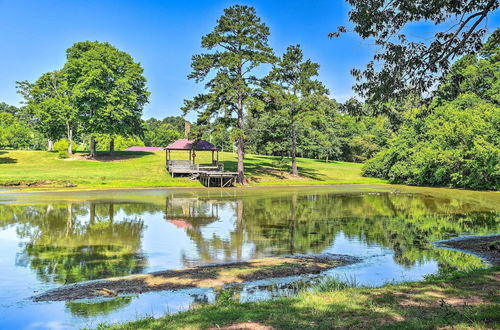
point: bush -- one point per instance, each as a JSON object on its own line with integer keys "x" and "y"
{"x": 62, "y": 145}
{"x": 458, "y": 145}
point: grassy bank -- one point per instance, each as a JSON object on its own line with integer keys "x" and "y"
{"x": 459, "y": 300}
{"x": 147, "y": 169}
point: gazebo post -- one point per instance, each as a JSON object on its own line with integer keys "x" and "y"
{"x": 217, "y": 156}
{"x": 190, "y": 156}
{"x": 212, "y": 157}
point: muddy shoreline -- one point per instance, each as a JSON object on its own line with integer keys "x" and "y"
{"x": 210, "y": 276}
{"x": 486, "y": 247}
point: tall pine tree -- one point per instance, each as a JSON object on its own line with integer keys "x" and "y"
{"x": 239, "y": 44}
{"x": 288, "y": 85}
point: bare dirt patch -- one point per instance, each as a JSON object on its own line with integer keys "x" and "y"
{"x": 487, "y": 247}
{"x": 245, "y": 326}
{"x": 211, "y": 276}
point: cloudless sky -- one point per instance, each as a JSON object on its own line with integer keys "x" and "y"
{"x": 163, "y": 35}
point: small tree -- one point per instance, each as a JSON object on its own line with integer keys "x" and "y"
{"x": 49, "y": 101}
{"x": 288, "y": 84}
{"x": 240, "y": 43}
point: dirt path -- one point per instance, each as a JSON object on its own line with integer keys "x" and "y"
{"x": 487, "y": 247}
{"x": 211, "y": 276}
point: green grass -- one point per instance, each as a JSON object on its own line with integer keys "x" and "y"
{"x": 458, "y": 300}
{"x": 147, "y": 169}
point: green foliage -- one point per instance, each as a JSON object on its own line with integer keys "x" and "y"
{"x": 405, "y": 64}
{"x": 121, "y": 142}
{"x": 16, "y": 134}
{"x": 325, "y": 132}
{"x": 479, "y": 75}
{"x": 62, "y": 145}
{"x": 160, "y": 133}
{"x": 108, "y": 87}
{"x": 456, "y": 140}
{"x": 458, "y": 145}
{"x": 63, "y": 154}
{"x": 48, "y": 100}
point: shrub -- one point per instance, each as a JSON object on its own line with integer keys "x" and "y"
{"x": 62, "y": 145}
{"x": 458, "y": 145}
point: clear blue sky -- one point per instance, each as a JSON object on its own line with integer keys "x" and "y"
{"x": 163, "y": 35}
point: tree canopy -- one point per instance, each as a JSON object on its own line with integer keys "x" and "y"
{"x": 109, "y": 88}
{"x": 456, "y": 140}
{"x": 408, "y": 64}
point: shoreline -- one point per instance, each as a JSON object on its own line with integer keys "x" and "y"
{"x": 40, "y": 189}
{"x": 271, "y": 184}
{"x": 208, "y": 276}
{"x": 485, "y": 247}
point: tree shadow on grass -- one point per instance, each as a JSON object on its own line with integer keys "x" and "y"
{"x": 260, "y": 166}
{"x": 7, "y": 160}
{"x": 104, "y": 156}
{"x": 430, "y": 305}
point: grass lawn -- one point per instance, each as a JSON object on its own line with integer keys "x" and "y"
{"x": 459, "y": 300}
{"x": 147, "y": 169}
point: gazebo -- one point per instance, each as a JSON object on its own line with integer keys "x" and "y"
{"x": 210, "y": 175}
{"x": 191, "y": 146}
{"x": 189, "y": 166}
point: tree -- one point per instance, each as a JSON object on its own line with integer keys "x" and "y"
{"x": 240, "y": 45}
{"x": 479, "y": 75}
{"x": 160, "y": 133}
{"x": 49, "y": 101}
{"x": 407, "y": 64}
{"x": 456, "y": 143}
{"x": 108, "y": 88}
{"x": 288, "y": 84}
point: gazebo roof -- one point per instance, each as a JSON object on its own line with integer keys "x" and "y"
{"x": 185, "y": 144}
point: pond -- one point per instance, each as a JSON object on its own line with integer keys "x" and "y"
{"x": 52, "y": 239}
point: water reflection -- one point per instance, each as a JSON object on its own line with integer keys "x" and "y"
{"x": 64, "y": 242}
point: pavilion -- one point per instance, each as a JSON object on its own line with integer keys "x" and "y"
{"x": 210, "y": 175}
{"x": 191, "y": 146}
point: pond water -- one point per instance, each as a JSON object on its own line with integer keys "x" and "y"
{"x": 51, "y": 239}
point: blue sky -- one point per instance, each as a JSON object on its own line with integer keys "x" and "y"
{"x": 163, "y": 35}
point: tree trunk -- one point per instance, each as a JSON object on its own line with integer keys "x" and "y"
{"x": 111, "y": 212}
{"x": 70, "y": 139}
{"x": 92, "y": 147}
{"x": 112, "y": 146}
{"x": 50, "y": 145}
{"x": 241, "y": 143}
{"x": 92, "y": 213}
{"x": 295, "y": 171}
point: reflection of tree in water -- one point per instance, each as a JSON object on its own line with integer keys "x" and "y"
{"x": 308, "y": 223}
{"x": 67, "y": 243}
{"x": 91, "y": 309}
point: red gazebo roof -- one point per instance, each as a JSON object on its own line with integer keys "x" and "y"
{"x": 185, "y": 144}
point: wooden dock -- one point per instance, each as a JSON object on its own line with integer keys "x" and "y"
{"x": 217, "y": 178}
{"x": 210, "y": 175}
